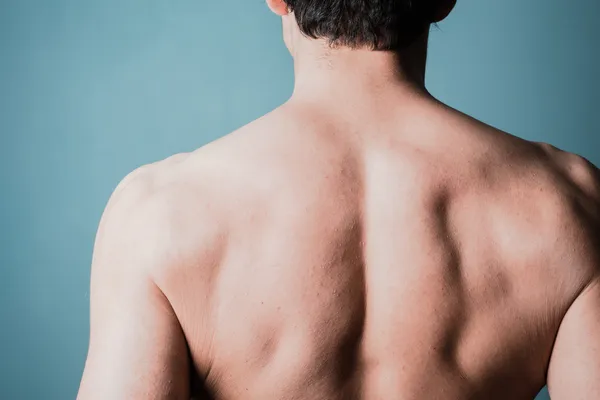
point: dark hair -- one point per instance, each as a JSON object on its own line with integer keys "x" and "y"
{"x": 375, "y": 24}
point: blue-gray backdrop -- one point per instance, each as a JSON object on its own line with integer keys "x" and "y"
{"x": 91, "y": 89}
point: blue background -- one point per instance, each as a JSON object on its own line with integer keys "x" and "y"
{"x": 91, "y": 89}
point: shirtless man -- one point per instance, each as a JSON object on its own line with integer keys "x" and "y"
{"x": 362, "y": 241}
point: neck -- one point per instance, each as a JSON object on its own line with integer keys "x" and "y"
{"x": 343, "y": 76}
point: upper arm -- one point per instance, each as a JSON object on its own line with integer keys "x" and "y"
{"x": 137, "y": 349}
{"x": 574, "y": 370}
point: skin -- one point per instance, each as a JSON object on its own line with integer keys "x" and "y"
{"x": 362, "y": 241}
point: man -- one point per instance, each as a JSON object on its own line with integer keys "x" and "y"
{"x": 362, "y": 241}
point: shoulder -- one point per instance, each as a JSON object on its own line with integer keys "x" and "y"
{"x": 546, "y": 211}
{"x": 578, "y": 170}
{"x": 153, "y": 216}
{"x": 139, "y": 185}
{"x": 576, "y": 180}
{"x": 139, "y": 190}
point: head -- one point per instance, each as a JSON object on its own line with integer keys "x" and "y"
{"x": 379, "y": 25}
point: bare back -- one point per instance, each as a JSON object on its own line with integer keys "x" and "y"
{"x": 431, "y": 258}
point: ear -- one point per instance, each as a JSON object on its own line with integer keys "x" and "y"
{"x": 443, "y": 10}
{"x": 279, "y": 7}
